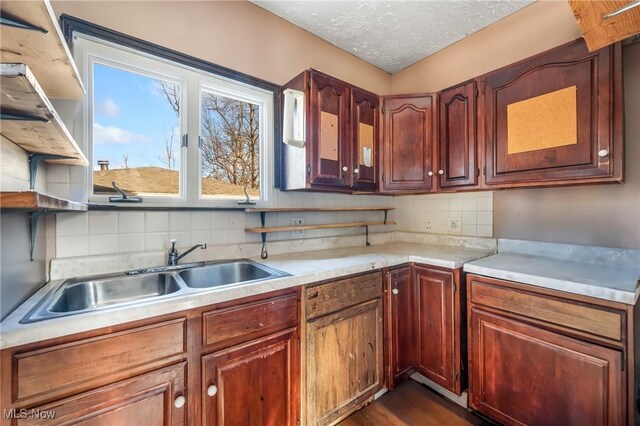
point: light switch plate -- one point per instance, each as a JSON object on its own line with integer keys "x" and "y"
{"x": 295, "y": 221}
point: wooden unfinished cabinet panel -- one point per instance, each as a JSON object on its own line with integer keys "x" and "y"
{"x": 438, "y": 327}
{"x": 252, "y": 383}
{"x": 403, "y": 319}
{"x": 457, "y": 143}
{"x": 524, "y": 375}
{"x": 555, "y": 118}
{"x": 409, "y": 131}
{"x": 344, "y": 361}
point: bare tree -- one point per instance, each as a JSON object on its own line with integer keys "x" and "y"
{"x": 171, "y": 92}
{"x": 169, "y": 157}
{"x": 124, "y": 163}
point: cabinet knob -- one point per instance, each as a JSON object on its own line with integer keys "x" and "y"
{"x": 395, "y": 291}
{"x": 179, "y": 402}
{"x": 212, "y": 390}
{"x": 440, "y": 172}
{"x": 345, "y": 168}
{"x": 603, "y": 153}
{"x": 430, "y": 173}
{"x": 356, "y": 171}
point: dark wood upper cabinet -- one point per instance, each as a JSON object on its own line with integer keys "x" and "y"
{"x": 408, "y": 144}
{"x": 340, "y": 147}
{"x": 365, "y": 116}
{"x": 555, "y": 118}
{"x": 457, "y": 144}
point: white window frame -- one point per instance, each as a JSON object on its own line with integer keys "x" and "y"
{"x": 90, "y": 50}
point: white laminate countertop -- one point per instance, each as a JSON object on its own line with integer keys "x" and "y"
{"x": 600, "y": 272}
{"x": 304, "y": 267}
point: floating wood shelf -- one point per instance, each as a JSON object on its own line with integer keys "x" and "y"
{"x": 320, "y": 226}
{"x": 34, "y": 201}
{"x": 320, "y": 209}
{"x": 30, "y": 121}
{"x": 31, "y": 35}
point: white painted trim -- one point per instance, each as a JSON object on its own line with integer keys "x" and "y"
{"x": 460, "y": 400}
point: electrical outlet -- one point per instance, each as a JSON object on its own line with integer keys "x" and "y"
{"x": 454, "y": 225}
{"x": 430, "y": 222}
{"x": 295, "y": 221}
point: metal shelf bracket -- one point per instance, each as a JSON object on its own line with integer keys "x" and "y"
{"x": 34, "y": 162}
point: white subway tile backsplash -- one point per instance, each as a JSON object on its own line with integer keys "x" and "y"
{"x": 455, "y": 204}
{"x": 470, "y": 204}
{"x": 485, "y": 218}
{"x": 71, "y": 246}
{"x": 156, "y": 222}
{"x": 131, "y": 222}
{"x": 156, "y": 241}
{"x": 103, "y": 244}
{"x": 485, "y": 231}
{"x": 130, "y": 243}
{"x": 179, "y": 221}
{"x": 221, "y": 220}
{"x": 200, "y": 221}
{"x": 57, "y": 173}
{"x": 485, "y": 203}
{"x": 102, "y": 222}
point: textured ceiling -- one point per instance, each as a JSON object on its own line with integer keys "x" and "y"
{"x": 392, "y": 34}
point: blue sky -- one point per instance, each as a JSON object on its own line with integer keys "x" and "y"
{"x": 130, "y": 116}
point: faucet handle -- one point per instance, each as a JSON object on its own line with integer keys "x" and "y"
{"x": 173, "y": 243}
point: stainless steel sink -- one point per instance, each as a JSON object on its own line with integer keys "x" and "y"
{"x": 101, "y": 293}
{"x": 235, "y": 272}
{"x": 89, "y": 294}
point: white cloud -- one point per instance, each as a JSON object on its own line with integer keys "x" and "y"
{"x": 116, "y": 135}
{"x": 108, "y": 107}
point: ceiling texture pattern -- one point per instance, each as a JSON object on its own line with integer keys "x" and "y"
{"x": 392, "y": 34}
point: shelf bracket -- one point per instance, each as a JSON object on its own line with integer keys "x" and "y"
{"x": 11, "y": 21}
{"x": 34, "y": 162}
{"x": 366, "y": 235}
{"x": 263, "y": 252}
{"x": 33, "y": 228}
{"x": 22, "y": 117}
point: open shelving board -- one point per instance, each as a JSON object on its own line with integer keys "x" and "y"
{"x": 33, "y": 201}
{"x": 46, "y": 54}
{"x": 30, "y": 121}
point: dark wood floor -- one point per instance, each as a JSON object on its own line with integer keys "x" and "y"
{"x": 412, "y": 404}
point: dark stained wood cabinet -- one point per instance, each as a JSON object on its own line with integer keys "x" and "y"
{"x": 427, "y": 327}
{"x": 438, "y": 328}
{"x": 252, "y": 383}
{"x": 457, "y": 142}
{"x": 408, "y": 144}
{"x": 402, "y": 296}
{"x": 344, "y": 348}
{"x": 545, "y": 357}
{"x": 555, "y": 118}
{"x": 340, "y": 151}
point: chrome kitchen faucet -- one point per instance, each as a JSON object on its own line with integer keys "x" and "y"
{"x": 173, "y": 257}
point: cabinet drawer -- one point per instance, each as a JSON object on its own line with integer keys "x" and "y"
{"x": 92, "y": 362}
{"x": 229, "y": 326}
{"x": 326, "y": 298}
{"x": 578, "y": 317}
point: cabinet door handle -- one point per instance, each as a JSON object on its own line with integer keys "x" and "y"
{"x": 212, "y": 390}
{"x": 395, "y": 291}
{"x": 603, "y": 153}
{"x": 345, "y": 168}
{"x": 430, "y": 173}
{"x": 179, "y": 401}
{"x": 356, "y": 171}
{"x": 440, "y": 172}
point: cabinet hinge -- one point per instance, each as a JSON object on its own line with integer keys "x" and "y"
{"x": 383, "y": 177}
{"x": 309, "y": 169}
{"x": 477, "y": 92}
{"x": 478, "y": 171}
{"x": 185, "y": 141}
{"x": 484, "y": 170}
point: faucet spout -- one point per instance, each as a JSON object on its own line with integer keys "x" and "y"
{"x": 173, "y": 257}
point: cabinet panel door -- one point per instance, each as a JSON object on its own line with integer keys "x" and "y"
{"x": 328, "y": 123}
{"x": 252, "y": 384}
{"x": 407, "y": 157}
{"x": 556, "y": 117}
{"x": 143, "y": 400}
{"x": 523, "y": 375}
{"x": 344, "y": 361}
{"x": 365, "y": 109}
{"x": 457, "y": 142}
{"x": 403, "y": 322}
{"x": 437, "y": 351}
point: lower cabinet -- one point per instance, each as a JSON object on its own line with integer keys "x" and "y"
{"x": 544, "y": 357}
{"x": 253, "y": 383}
{"x": 344, "y": 366}
{"x": 427, "y": 325}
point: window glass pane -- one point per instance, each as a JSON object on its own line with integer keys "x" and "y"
{"x": 136, "y": 133}
{"x": 229, "y": 150}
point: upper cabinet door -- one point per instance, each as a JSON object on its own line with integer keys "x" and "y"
{"x": 365, "y": 110}
{"x": 457, "y": 143}
{"x": 555, "y": 118}
{"x": 329, "y": 128}
{"x": 407, "y": 156}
